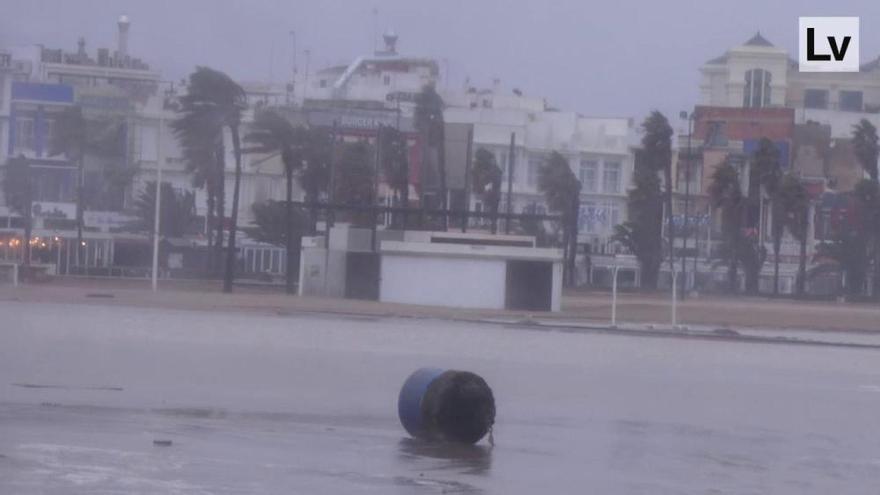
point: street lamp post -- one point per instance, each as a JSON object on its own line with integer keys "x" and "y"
{"x": 687, "y": 196}
{"x": 156, "y": 214}
{"x": 614, "y": 270}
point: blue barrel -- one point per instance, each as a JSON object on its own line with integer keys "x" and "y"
{"x": 446, "y": 405}
{"x": 409, "y": 403}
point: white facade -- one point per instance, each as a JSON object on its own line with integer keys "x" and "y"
{"x": 482, "y": 275}
{"x": 597, "y": 149}
{"x": 738, "y": 78}
{"x": 385, "y": 78}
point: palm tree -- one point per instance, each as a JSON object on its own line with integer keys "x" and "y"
{"x": 395, "y": 165}
{"x": 486, "y": 182}
{"x": 562, "y": 192}
{"x": 18, "y": 189}
{"x": 353, "y": 183}
{"x": 71, "y": 139}
{"x": 765, "y": 178}
{"x": 177, "y": 210}
{"x": 791, "y": 206}
{"x": 429, "y": 122}
{"x": 215, "y": 102}
{"x": 657, "y": 151}
{"x": 200, "y": 137}
{"x": 642, "y": 234}
{"x": 314, "y": 177}
{"x": 272, "y": 133}
{"x": 726, "y": 195}
{"x": 867, "y": 149}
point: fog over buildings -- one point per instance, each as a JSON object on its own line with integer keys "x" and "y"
{"x": 600, "y": 58}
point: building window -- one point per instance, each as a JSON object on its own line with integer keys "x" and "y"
{"x": 535, "y": 163}
{"x": 323, "y": 83}
{"x": 501, "y": 158}
{"x": 587, "y": 176}
{"x": 757, "y": 90}
{"x": 851, "y": 101}
{"x": 611, "y": 177}
{"x": 716, "y": 133}
{"x": 816, "y": 98}
{"x": 24, "y": 135}
{"x": 386, "y": 80}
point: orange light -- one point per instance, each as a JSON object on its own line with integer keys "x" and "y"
{"x": 83, "y": 243}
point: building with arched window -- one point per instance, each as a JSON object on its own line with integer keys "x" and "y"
{"x": 758, "y": 74}
{"x": 752, "y": 75}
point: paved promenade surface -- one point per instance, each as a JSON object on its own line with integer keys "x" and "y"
{"x": 580, "y": 308}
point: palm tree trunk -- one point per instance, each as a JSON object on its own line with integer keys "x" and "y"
{"x": 404, "y": 192}
{"x": 495, "y": 204}
{"x": 229, "y": 276}
{"x": 220, "y": 205}
{"x": 312, "y": 199}
{"x": 572, "y": 254}
{"x": 28, "y": 232}
{"x": 802, "y": 259}
{"x": 288, "y": 229}
{"x": 441, "y": 153}
{"x": 777, "y": 245}
{"x": 210, "y": 196}
{"x": 876, "y": 282}
{"x": 79, "y": 211}
{"x": 669, "y": 220}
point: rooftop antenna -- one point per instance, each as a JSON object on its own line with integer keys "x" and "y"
{"x": 122, "y": 47}
{"x": 308, "y": 54}
{"x": 375, "y": 26}
{"x": 293, "y": 51}
{"x": 272, "y": 62}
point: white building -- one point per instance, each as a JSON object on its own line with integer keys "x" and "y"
{"x": 758, "y": 74}
{"x": 598, "y": 151}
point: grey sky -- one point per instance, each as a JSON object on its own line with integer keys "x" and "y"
{"x": 618, "y": 57}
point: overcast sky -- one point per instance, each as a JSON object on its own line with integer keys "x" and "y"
{"x": 614, "y": 58}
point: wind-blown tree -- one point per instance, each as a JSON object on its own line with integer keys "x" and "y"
{"x": 867, "y": 149}
{"x": 848, "y": 250}
{"x": 200, "y": 136}
{"x": 354, "y": 182}
{"x": 791, "y": 206}
{"x": 273, "y": 223}
{"x": 314, "y": 177}
{"x": 395, "y": 167}
{"x": 102, "y": 139}
{"x": 725, "y": 194}
{"x": 642, "y": 234}
{"x": 486, "y": 182}
{"x": 274, "y": 134}
{"x": 18, "y": 189}
{"x": 562, "y": 192}
{"x": 430, "y": 124}
{"x": 657, "y": 151}
{"x": 214, "y": 102}
{"x": 177, "y": 211}
{"x": 765, "y": 178}
{"x": 70, "y": 138}
{"x": 867, "y": 203}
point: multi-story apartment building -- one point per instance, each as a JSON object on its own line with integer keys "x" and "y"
{"x": 598, "y": 149}
{"x": 755, "y": 91}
